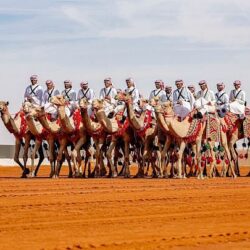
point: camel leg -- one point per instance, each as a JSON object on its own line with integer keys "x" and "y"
{"x": 96, "y": 172}
{"x": 163, "y": 157}
{"x": 234, "y": 156}
{"x": 213, "y": 163}
{"x": 68, "y": 159}
{"x": 51, "y": 156}
{"x": 62, "y": 148}
{"x": 198, "y": 159}
{"x": 126, "y": 159}
{"x": 76, "y": 156}
{"x": 180, "y": 155}
{"x": 101, "y": 160}
{"x": 113, "y": 172}
{"x": 33, "y": 155}
{"x": 17, "y": 152}
{"x": 25, "y": 156}
{"x": 41, "y": 158}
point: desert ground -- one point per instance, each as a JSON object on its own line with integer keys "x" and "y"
{"x": 43, "y": 213}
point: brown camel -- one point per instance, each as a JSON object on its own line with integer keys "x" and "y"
{"x": 181, "y": 131}
{"x": 18, "y": 127}
{"x": 95, "y": 130}
{"x": 73, "y": 127}
{"x": 41, "y": 133}
{"x": 235, "y": 129}
{"x": 118, "y": 130}
{"x": 54, "y": 130}
{"x": 145, "y": 129}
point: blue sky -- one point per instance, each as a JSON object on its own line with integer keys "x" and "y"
{"x": 145, "y": 39}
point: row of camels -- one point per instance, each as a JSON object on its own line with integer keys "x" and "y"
{"x": 153, "y": 138}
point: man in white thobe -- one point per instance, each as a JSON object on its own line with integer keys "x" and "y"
{"x": 158, "y": 92}
{"x": 205, "y": 100}
{"x": 70, "y": 96}
{"x": 87, "y": 93}
{"x": 183, "y": 100}
{"x": 191, "y": 88}
{"x": 34, "y": 92}
{"x": 168, "y": 96}
{"x": 222, "y": 99}
{"x": 48, "y": 93}
{"x": 108, "y": 94}
{"x": 237, "y": 100}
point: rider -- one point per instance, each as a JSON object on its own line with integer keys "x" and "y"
{"x": 108, "y": 94}
{"x": 70, "y": 96}
{"x": 183, "y": 100}
{"x": 191, "y": 88}
{"x": 237, "y": 100}
{"x": 205, "y": 100}
{"x": 222, "y": 99}
{"x": 48, "y": 93}
{"x": 34, "y": 92}
{"x": 168, "y": 94}
{"x": 134, "y": 92}
{"x": 158, "y": 91}
{"x": 87, "y": 93}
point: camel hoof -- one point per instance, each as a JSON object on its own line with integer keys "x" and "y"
{"x": 70, "y": 175}
{"x": 26, "y": 171}
{"x": 103, "y": 172}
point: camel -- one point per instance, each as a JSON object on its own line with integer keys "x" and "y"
{"x": 19, "y": 128}
{"x": 96, "y": 131}
{"x": 181, "y": 131}
{"x": 54, "y": 131}
{"x": 73, "y": 127}
{"x": 145, "y": 130}
{"x": 232, "y": 128}
{"x": 117, "y": 130}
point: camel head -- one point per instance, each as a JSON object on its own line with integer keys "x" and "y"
{"x": 154, "y": 101}
{"x": 158, "y": 108}
{"x": 168, "y": 108}
{"x": 121, "y": 96}
{"x": 143, "y": 102}
{"x": 37, "y": 111}
{"x": 58, "y": 100}
{"x": 27, "y": 106}
{"x": 83, "y": 103}
{"x": 3, "y": 106}
{"x": 98, "y": 104}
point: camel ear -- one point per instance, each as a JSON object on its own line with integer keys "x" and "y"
{"x": 7, "y": 103}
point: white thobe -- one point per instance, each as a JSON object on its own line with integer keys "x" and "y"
{"x": 109, "y": 105}
{"x": 34, "y": 94}
{"x": 185, "y": 96}
{"x": 70, "y": 96}
{"x": 222, "y": 102}
{"x": 237, "y": 101}
{"x": 202, "y": 100}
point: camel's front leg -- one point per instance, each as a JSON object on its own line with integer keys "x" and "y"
{"x": 110, "y": 151}
{"x": 76, "y": 156}
{"x": 126, "y": 159}
{"x": 33, "y": 156}
{"x": 232, "y": 157}
{"x": 163, "y": 157}
{"x": 51, "y": 156}
{"x": 180, "y": 155}
{"x": 18, "y": 145}
{"x": 25, "y": 156}
{"x": 62, "y": 148}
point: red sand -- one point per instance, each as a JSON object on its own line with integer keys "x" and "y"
{"x": 69, "y": 214}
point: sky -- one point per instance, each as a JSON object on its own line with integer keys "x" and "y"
{"x": 144, "y": 39}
